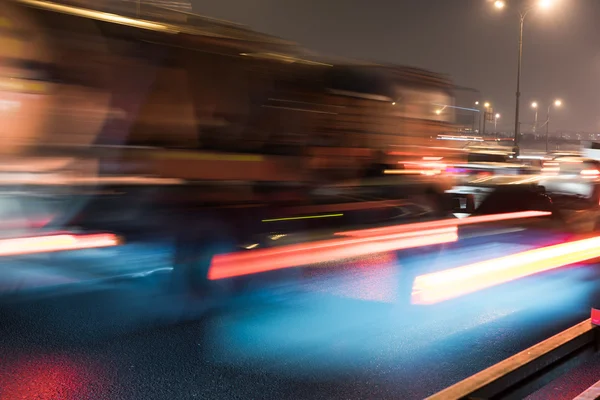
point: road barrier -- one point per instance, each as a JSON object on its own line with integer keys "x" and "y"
{"x": 524, "y": 373}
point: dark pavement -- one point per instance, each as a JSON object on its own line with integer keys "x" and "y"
{"x": 340, "y": 336}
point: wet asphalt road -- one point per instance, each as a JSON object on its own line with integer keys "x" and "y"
{"x": 342, "y": 336}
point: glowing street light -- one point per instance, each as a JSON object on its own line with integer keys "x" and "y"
{"x": 496, "y": 118}
{"x": 500, "y": 4}
{"x": 557, "y": 103}
{"x": 486, "y": 105}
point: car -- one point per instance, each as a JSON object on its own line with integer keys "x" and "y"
{"x": 569, "y": 187}
{"x": 572, "y": 176}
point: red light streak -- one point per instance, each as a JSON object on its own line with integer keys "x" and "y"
{"x": 444, "y": 223}
{"x": 57, "y": 242}
{"x": 440, "y": 286}
{"x": 263, "y": 260}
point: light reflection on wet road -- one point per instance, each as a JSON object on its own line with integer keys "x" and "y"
{"x": 346, "y": 335}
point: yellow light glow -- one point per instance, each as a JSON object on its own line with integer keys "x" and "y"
{"x": 303, "y": 217}
{"x": 534, "y": 105}
{"x": 499, "y": 4}
{"x": 558, "y": 103}
{"x": 455, "y": 282}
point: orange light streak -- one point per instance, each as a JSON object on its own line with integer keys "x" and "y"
{"x": 445, "y": 285}
{"x": 263, "y": 260}
{"x": 444, "y": 223}
{"x": 53, "y": 243}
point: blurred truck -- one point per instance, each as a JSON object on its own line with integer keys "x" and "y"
{"x": 124, "y": 100}
{"x": 143, "y": 120}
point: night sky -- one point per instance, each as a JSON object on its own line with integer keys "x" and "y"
{"x": 467, "y": 39}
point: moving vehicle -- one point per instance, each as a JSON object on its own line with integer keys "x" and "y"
{"x": 151, "y": 121}
{"x": 147, "y": 121}
{"x": 568, "y": 187}
{"x": 157, "y": 99}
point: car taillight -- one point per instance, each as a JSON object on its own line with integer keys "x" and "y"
{"x": 590, "y": 173}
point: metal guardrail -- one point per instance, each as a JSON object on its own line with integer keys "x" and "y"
{"x": 524, "y": 373}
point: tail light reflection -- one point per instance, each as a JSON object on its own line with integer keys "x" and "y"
{"x": 445, "y": 285}
{"x": 258, "y": 261}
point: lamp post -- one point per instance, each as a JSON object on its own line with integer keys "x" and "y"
{"x": 557, "y": 103}
{"x": 479, "y": 120}
{"x": 534, "y": 105}
{"x": 500, "y": 4}
{"x": 486, "y": 107}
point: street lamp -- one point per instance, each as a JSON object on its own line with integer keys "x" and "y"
{"x": 496, "y": 117}
{"x": 557, "y": 103}
{"x": 480, "y": 121}
{"x": 486, "y": 107}
{"x": 499, "y": 4}
{"x": 476, "y": 110}
{"x": 534, "y": 105}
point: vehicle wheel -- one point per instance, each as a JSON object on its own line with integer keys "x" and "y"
{"x": 198, "y": 238}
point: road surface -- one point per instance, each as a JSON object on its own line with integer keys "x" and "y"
{"x": 344, "y": 334}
